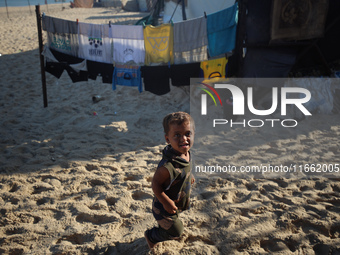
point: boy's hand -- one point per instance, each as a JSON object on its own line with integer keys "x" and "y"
{"x": 170, "y": 207}
{"x": 192, "y": 180}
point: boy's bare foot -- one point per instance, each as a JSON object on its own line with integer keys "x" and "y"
{"x": 150, "y": 244}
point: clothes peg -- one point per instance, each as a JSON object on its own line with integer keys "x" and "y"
{"x": 77, "y": 21}
{"x": 205, "y": 14}
{"x": 110, "y": 23}
{"x": 143, "y": 24}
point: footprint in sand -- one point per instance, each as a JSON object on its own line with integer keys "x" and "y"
{"x": 141, "y": 195}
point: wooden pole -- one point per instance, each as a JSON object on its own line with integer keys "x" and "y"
{"x": 42, "y": 66}
{"x": 6, "y": 9}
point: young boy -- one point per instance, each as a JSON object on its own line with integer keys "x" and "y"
{"x": 172, "y": 180}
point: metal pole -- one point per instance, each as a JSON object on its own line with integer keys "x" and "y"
{"x": 241, "y": 28}
{"x": 184, "y": 15}
{"x": 46, "y": 5}
{"x": 42, "y": 66}
{"x": 29, "y": 5}
{"x": 6, "y": 9}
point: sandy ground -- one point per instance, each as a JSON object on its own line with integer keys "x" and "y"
{"x": 75, "y": 182}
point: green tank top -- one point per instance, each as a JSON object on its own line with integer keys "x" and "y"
{"x": 180, "y": 178}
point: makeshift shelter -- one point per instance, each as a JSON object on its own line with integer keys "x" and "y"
{"x": 135, "y": 5}
{"x": 107, "y": 3}
{"x": 173, "y": 9}
{"x": 270, "y": 44}
{"x": 82, "y": 3}
{"x": 275, "y": 35}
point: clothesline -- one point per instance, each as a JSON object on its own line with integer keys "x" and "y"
{"x": 178, "y": 43}
{"x": 124, "y": 55}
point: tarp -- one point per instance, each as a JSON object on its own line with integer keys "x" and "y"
{"x": 193, "y": 8}
{"x": 264, "y": 61}
{"x": 130, "y": 5}
{"x": 83, "y": 3}
{"x": 329, "y": 43}
{"x": 269, "y": 62}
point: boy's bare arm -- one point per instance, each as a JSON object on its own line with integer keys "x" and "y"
{"x": 160, "y": 180}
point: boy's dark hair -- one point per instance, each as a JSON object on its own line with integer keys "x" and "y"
{"x": 177, "y": 118}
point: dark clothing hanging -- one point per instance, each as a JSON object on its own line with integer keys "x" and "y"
{"x": 180, "y": 74}
{"x": 96, "y": 68}
{"x": 156, "y": 79}
{"x": 65, "y": 60}
{"x": 76, "y": 76}
{"x": 55, "y": 68}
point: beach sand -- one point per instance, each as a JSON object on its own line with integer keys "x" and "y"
{"x": 76, "y": 176}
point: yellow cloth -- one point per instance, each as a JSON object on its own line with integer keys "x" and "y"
{"x": 159, "y": 43}
{"x": 214, "y": 69}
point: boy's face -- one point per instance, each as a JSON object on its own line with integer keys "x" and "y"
{"x": 180, "y": 137}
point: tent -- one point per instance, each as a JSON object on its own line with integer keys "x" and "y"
{"x": 179, "y": 10}
{"x": 193, "y": 9}
{"x": 82, "y": 3}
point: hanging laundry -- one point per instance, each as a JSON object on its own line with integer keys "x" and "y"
{"x": 52, "y": 65}
{"x": 57, "y": 62}
{"x": 94, "y": 42}
{"x": 54, "y": 68}
{"x": 82, "y": 66}
{"x": 76, "y": 76}
{"x": 156, "y": 79}
{"x": 48, "y": 55}
{"x": 190, "y": 41}
{"x": 221, "y": 29}
{"x": 128, "y": 44}
{"x": 159, "y": 44}
{"x": 180, "y": 74}
{"x": 78, "y": 72}
{"x": 62, "y": 35}
{"x": 127, "y": 76}
{"x": 214, "y": 69}
{"x": 100, "y": 69}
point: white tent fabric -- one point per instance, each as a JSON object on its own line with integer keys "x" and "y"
{"x": 194, "y": 9}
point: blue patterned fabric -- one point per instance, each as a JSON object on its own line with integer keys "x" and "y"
{"x": 127, "y": 76}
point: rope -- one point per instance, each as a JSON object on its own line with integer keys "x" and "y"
{"x": 175, "y": 9}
